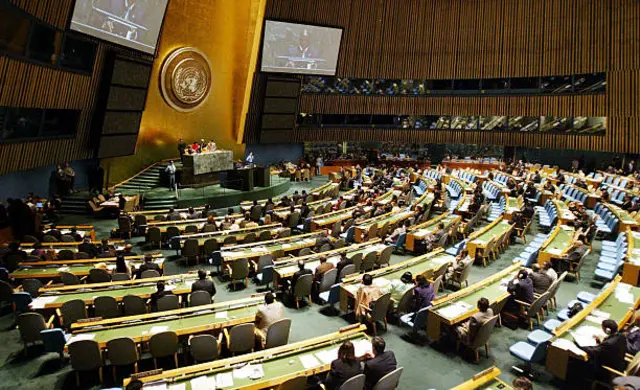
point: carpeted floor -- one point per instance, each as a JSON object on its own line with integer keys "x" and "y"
{"x": 425, "y": 366}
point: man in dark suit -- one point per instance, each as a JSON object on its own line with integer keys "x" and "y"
{"x": 160, "y": 292}
{"x": 203, "y": 284}
{"x": 322, "y": 240}
{"x": 88, "y": 248}
{"x": 380, "y": 363}
{"x": 148, "y": 265}
{"x": 300, "y": 272}
{"x": 344, "y": 261}
{"x": 576, "y": 252}
{"x": 173, "y": 215}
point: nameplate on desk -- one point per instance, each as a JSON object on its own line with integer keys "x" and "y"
{"x": 145, "y": 374}
{"x": 87, "y": 320}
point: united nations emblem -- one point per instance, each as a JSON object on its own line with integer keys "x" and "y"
{"x": 185, "y": 79}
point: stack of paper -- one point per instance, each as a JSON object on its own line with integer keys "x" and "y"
{"x": 309, "y": 361}
{"x": 156, "y": 386}
{"x": 567, "y": 345}
{"x": 454, "y": 310}
{"x": 623, "y": 293}
{"x": 598, "y": 316}
{"x": 158, "y": 329}
{"x": 178, "y": 386}
{"x": 362, "y": 347}
{"x": 381, "y": 282}
{"x": 585, "y": 335}
{"x": 554, "y": 251}
{"x": 203, "y": 383}
{"x": 259, "y": 249}
{"x": 81, "y": 336}
{"x": 327, "y": 356}
{"x": 286, "y": 246}
{"x": 222, "y": 314}
{"x": 224, "y": 379}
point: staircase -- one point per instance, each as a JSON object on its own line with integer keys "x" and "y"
{"x": 143, "y": 181}
{"x": 160, "y": 203}
{"x": 77, "y": 203}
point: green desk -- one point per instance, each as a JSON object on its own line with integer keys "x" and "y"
{"x": 53, "y": 271}
{"x": 285, "y": 245}
{"x": 182, "y": 321}
{"x": 422, "y": 265}
{"x": 419, "y": 232}
{"x": 178, "y": 284}
{"x": 457, "y": 307}
{"x": 616, "y": 302}
{"x": 277, "y": 364}
{"x": 557, "y": 245}
{"x": 493, "y": 231}
{"x": 390, "y": 218}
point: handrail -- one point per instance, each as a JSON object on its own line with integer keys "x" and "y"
{"x": 140, "y": 173}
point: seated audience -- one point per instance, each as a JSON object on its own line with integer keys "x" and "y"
{"x": 547, "y": 268}
{"x": 400, "y": 230}
{"x": 121, "y": 266}
{"x": 467, "y": 331}
{"x": 344, "y": 261}
{"x": 322, "y": 269}
{"x": 160, "y": 292}
{"x": 379, "y": 363}
{"x": 345, "y": 367}
{"x": 268, "y": 313}
{"x": 366, "y": 294}
{"x": 609, "y": 351}
{"x": 400, "y": 286}
{"x": 204, "y": 284}
{"x": 300, "y": 272}
{"x": 148, "y": 264}
{"x": 423, "y": 294}
{"x": 541, "y": 281}
{"x": 88, "y": 247}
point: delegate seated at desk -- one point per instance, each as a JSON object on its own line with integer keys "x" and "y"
{"x": 148, "y": 264}
{"x": 381, "y": 363}
{"x": 467, "y": 331}
{"x": 609, "y": 352}
{"x": 204, "y": 284}
{"x": 160, "y": 292}
{"x": 268, "y": 313}
{"x": 366, "y": 294}
{"x": 345, "y": 367}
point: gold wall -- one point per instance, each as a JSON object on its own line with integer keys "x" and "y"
{"x": 224, "y": 31}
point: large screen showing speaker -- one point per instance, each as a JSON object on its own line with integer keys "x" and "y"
{"x": 132, "y": 23}
{"x": 300, "y": 48}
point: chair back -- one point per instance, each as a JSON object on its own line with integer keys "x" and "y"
{"x": 347, "y": 270}
{"x": 81, "y": 255}
{"x": 65, "y": 254}
{"x": 380, "y": 307}
{"x": 239, "y": 269}
{"x": 54, "y": 341}
{"x": 172, "y": 231}
{"x": 198, "y": 298}
{"x": 241, "y": 338}
{"x": 209, "y": 227}
{"x": 537, "y": 305}
{"x": 140, "y": 221}
{"x": 296, "y": 383}
{"x": 49, "y": 238}
{"x": 278, "y": 333}
{"x": 32, "y": 286}
{"x": 122, "y": 351}
{"x": 339, "y": 243}
{"x": 67, "y": 238}
{"x": 256, "y": 213}
{"x": 249, "y": 238}
{"x": 420, "y": 322}
{"x": 263, "y": 261}
{"x": 98, "y": 275}
{"x": 328, "y": 279}
{"x": 369, "y": 261}
{"x": 284, "y": 233}
{"x": 203, "y": 348}
{"x": 303, "y": 286}
{"x": 466, "y": 271}
{"x": 373, "y": 231}
{"x": 443, "y": 240}
{"x": 168, "y": 302}
{"x": 633, "y": 368}
{"x": 30, "y": 325}
{"x": 304, "y": 252}
{"x": 405, "y": 301}
{"x": 119, "y": 277}
{"x": 85, "y": 355}
{"x": 133, "y": 305}
{"x": 294, "y": 219}
{"x": 73, "y": 311}
{"x": 21, "y": 301}
{"x": 484, "y": 333}
{"x": 335, "y": 230}
{"x": 154, "y": 235}
{"x": 210, "y": 245}
{"x": 353, "y": 383}
{"x": 149, "y": 273}
{"x": 265, "y": 235}
{"x": 191, "y": 248}
{"x": 106, "y": 307}
{"x": 437, "y": 282}
{"x": 229, "y": 240}
{"x": 191, "y": 229}
{"x": 389, "y": 381}
{"x": 383, "y": 230}
{"x": 163, "y": 344}
{"x": 6, "y": 291}
{"x": 385, "y": 256}
{"x": 357, "y": 261}
{"x": 325, "y": 247}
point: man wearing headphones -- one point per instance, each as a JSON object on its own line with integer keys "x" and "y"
{"x": 609, "y": 351}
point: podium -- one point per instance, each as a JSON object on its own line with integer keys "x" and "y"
{"x": 262, "y": 176}
{"x": 204, "y": 169}
{"x": 239, "y": 179}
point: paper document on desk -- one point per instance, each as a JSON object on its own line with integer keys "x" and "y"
{"x": 565, "y": 227}
{"x": 203, "y": 383}
{"x": 169, "y": 287}
{"x": 178, "y": 386}
{"x": 441, "y": 260}
{"x": 222, "y": 314}
{"x": 380, "y": 282}
{"x": 362, "y": 347}
{"x": 585, "y": 335}
{"x": 259, "y": 249}
{"x": 63, "y": 269}
{"x": 286, "y": 246}
{"x": 625, "y": 297}
{"x": 327, "y": 356}
{"x": 567, "y": 345}
{"x": 81, "y": 336}
{"x": 224, "y": 379}
{"x": 309, "y": 361}
{"x": 158, "y": 329}
{"x": 45, "y": 300}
